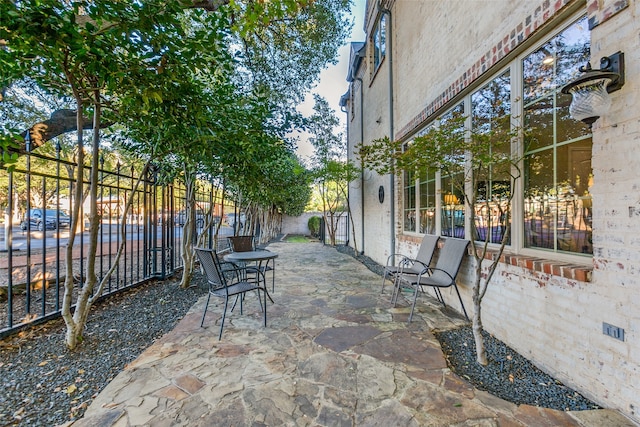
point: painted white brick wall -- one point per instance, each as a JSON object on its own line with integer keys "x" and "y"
{"x": 554, "y": 321}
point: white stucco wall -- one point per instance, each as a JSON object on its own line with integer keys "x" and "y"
{"x": 298, "y": 224}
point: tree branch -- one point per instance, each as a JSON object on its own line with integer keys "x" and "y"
{"x": 61, "y": 121}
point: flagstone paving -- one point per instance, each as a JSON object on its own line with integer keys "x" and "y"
{"x": 334, "y": 353}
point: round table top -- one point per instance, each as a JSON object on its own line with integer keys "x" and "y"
{"x": 257, "y": 255}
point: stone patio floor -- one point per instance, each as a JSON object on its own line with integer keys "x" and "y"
{"x": 334, "y": 353}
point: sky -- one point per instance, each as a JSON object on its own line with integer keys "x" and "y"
{"x": 333, "y": 79}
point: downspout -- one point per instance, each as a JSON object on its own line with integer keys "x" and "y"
{"x": 362, "y": 165}
{"x": 392, "y": 185}
{"x": 344, "y": 110}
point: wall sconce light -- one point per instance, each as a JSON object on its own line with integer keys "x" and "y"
{"x": 590, "y": 91}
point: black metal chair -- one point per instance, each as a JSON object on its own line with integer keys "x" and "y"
{"x": 397, "y": 262}
{"x": 247, "y": 244}
{"x": 443, "y": 275}
{"x": 225, "y": 281}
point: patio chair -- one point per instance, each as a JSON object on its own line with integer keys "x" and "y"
{"x": 443, "y": 275}
{"x": 225, "y": 281}
{"x": 397, "y": 262}
{"x": 241, "y": 243}
{"x": 246, "y": 244}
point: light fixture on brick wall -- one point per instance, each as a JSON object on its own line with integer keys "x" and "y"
{"x": 590, "y": 91}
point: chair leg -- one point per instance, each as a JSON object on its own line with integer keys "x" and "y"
{"x": 394, "y": 292}
{"x": 273, "y": 277}
{"x": 461, "y": 303}
{"x": 265, "y": 306}
{"x": 259, "y": 299}
{"x": 384, "y": 278}
{"x": 413, "y": 305}
{"x": 224, "y": 315}
{"x": 205, "y": 309}
{"x": 233, "y": 307}
{"x": 439, "y": 296}
{"x": 264, "y": 281}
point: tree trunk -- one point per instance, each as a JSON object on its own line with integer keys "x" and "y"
{"x": 188, "y": 232}
{"x": 481, "y": 354}
{"x": 71, "y": 336}
{"x": 84, "y": 301}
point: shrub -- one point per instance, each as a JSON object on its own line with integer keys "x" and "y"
{"x": 314, "y": 226}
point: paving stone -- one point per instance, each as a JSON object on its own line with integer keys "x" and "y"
{"x": 172, "y": 392}
{"x": 189, "y": 383}
{"x": 105, "y": 418}
{"x": 334, "y": 353}
{"x": 337, "y": 417}
{"x": 543, "y": 417}
{"x": 403, "y": 346}
{"x": 602, "y": 417}
{"x": 388, "y": 413}
{"x": 331, "y": 369}
{"x": 342, "y": 338}
{"x": 376, "y": 383}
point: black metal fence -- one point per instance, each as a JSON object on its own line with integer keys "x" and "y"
{"x": 341, "y": 229}
{"x": 37, "y": 196}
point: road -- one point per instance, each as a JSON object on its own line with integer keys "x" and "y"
{"x": 51, "y": 238}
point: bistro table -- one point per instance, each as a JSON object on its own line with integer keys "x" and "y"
{"x": 258, "y": 256}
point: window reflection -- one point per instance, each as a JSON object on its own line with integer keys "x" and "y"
{"x": 452, "y": 195}
{"x": 428, "y": 202}
{"x": 409, "y": 201}
{"x": 557, "y": 167}
{"x": 491, "y": 109}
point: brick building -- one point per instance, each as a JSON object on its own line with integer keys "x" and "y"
{"x": 572, "y": 264}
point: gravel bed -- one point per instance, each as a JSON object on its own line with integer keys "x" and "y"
{"x": 44, "y": 384}
{"x": 508, "y": 375}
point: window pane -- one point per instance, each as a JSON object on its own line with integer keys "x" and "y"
{"x": 557, "y": 166}
{"x": 452, "y": 194}
{"x": 383, "y": 36}
{"x": 556, "y": 62}
{"x": 428, "y": 203}
{"x": 491, "y": 108}
{"x": 379, "y": 42}
{"x": 558, "y": 205}
{"x": 452, "y": 208}
{"x": 409, "y": 201}
{"x": 376, "y": 50}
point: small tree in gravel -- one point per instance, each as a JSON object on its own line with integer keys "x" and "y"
{"x": 332, "y": 171}
{"x": 480, "y": 168}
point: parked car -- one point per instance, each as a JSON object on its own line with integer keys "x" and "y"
{"x": 49, "y": 219}
{"x": 230, "y": 219}
{"x": 181, "y": 218}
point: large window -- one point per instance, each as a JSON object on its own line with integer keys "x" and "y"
{"x": 553, "y": 207}
{"x": 379, "y": 42}
{"x": 557, "y": 166}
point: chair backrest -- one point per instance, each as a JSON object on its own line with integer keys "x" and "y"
{"x": 427, "y": 248}
{"x": 450, "y": 259}
{"x": 241, "y": 243}
{"x": 211, "y": 265}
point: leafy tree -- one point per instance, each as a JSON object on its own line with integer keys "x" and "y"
{"x": 472, "y": 159}
{"x": 332, "y": 172}
{"x": 68, "y": 51}
{"x": 159, "y": 65}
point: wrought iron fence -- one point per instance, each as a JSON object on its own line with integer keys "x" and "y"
{"x": 340, "y": 226}
{"x": 37, "y": 196}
